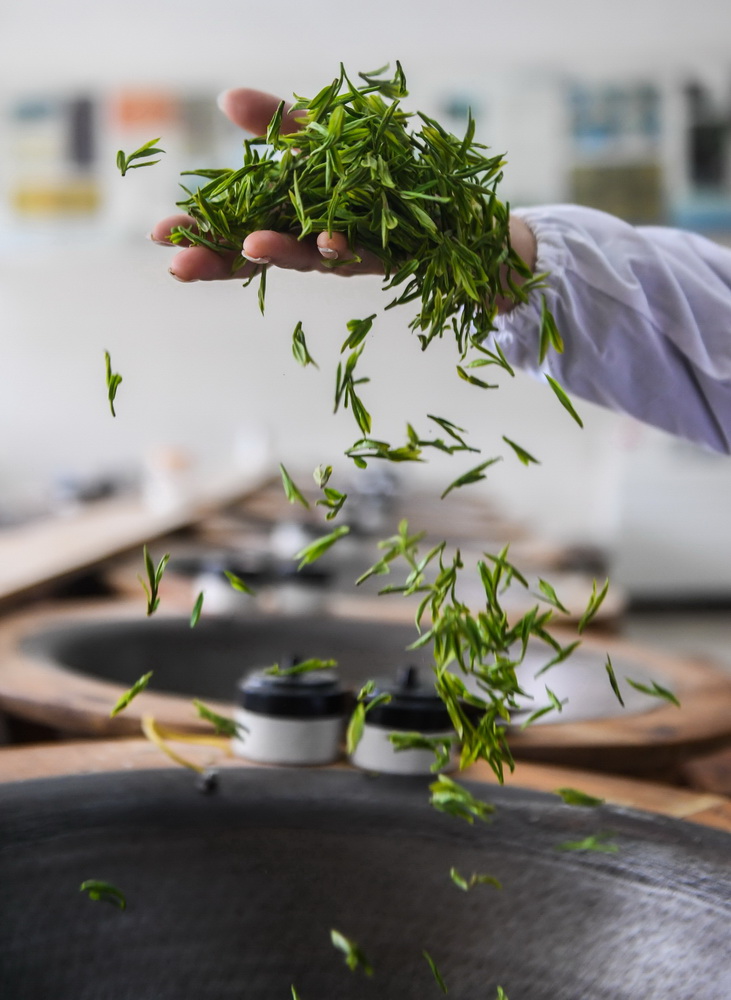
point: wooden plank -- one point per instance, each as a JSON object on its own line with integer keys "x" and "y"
{"x": 49, "y": 550}
{"x": 107, "y": 756}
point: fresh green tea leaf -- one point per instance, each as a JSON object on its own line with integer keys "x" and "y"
{"x": 125, "y": 161}
{"x": 599, "y": 842}
{"x": 114, "y": 380}
{"x": 104, "y": 892}
{"x": 128, "y": 696}
{"x": 301, "y": 667}
{"x": 355, "y": 957}
{"x": 299, "y": 348}
{"x": 594, "y": 603}
{"x": 524, "y": 456}
{"x": 310, "y": 553}
{"x": 435, "y": 972}
{"x": 237, "y": 583}
{"x": 358, "y": 330}
{"x": 573, "y": 797}
{"x": 475, "y": 879}
{"x": 613, "y": 680}
{"x": 473, "y": 476}
{"x": 154, "y": 576}
{"x": 223, "y": 725}
{"x": 564, "y": 399}
{"x": 291, "y": 491}
{"x": 449, "y": 797}
{"x": 549, "y": 335}
{"x": 654, "y": 691}
{"x": 197, "y": 608}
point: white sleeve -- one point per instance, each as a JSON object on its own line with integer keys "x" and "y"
{"x": 645, "y": 314}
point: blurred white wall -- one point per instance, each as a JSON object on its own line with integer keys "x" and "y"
{"x": 202, "y": 369}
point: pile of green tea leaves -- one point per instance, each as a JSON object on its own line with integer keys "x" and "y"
{"x": 422, "y": 200}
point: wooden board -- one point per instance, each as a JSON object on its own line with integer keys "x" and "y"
{"x": 43, "y": 552}
{"x": 102, "y": 756}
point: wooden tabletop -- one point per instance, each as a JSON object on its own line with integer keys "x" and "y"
{"x": 106, "y": 756}
{"x": 43, "y": 552}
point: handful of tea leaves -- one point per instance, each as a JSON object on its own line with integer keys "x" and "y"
{"x": 422, "y": 200}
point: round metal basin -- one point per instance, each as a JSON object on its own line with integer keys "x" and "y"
{"x": 235, "y": 894}
{"x": 66, "y": 667}
{"x": 208, "y": 661}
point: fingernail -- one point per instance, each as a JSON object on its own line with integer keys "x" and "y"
{"x": 160, "y": 243}
{"x": 329, "y": 252}
{"x": 221, "y": 100}
{"x": 256, "y": 260}
{"x": 186, "y": 281}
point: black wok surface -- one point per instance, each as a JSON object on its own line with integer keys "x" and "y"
{"x": 233, "y": 895}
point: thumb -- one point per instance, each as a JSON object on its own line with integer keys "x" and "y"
{"x": 253, "y": 110}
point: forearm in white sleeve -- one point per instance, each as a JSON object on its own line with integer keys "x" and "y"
{"x": 645, "y": 315}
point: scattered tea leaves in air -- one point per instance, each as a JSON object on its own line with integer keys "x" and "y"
{"x": 291, "y": 491}
{"x": 358, "y": 330}
{"x": 125, "y": 161}
{"x": 555, "y": 705}
{"x": 440, "y": 746}
{"x": 564, "y": 399}
{"x": 595, "y": 602}
{"x": 197, "y": 608}
{"x": 473, "y": 476}
{"x": 356, "y": 725}
{"x": 299, "y": 348}
{"x": 310, "y": 553}
{"x": 599, "y": 842}
{"x": 355, "y": 957}
{"x": 302, "y": 667}
{"x": 465, "y": 884}
{"x": 449, "y": 797}
{"x": 128, "y": 696}
{"x": 333, "y": 500}
{"x": 104, "y": 892}
{"x": 524, "y": 456}
{"x": 154, "y": 576}
{"x": 654, "y": 691}
{"x": 573, "y": 797}
{"x": 221, "y": 723}
{"x": 237, "y": 583}
{"x": 473, "y": 379}
{"x": 113, "y": 382}
{"x": 295, "y": 994}
{"x": 364, "y": 704}
{"x": 435, "y": 972}
{"x": 549, "y": 594}
{"x": 501, "y": 994}
{"x": 322, "y": 474}
{"x": 549, "y": 335}
{"x": 613, "y": 680}
{"x": 423, "y": 202}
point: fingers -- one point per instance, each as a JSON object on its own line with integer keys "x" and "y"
{"x": 334, "y": 249}
{"x": 161, "y": 230}
{"x": 201, "y": 264}
{"x": 326, "y": 253}
{"x": 253, "y": 110}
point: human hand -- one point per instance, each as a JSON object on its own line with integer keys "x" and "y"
{"x": 253, "y": 110}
